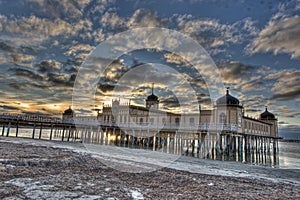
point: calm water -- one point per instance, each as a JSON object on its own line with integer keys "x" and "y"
{"x": 289, "y": 152}
{"x": 289, "y": 155}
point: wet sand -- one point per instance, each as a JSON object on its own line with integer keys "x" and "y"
{"x": 34, "y": 169}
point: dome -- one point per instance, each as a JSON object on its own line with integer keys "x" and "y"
{"x": 68, "y": 111}
{"x": 228, "y": 99}
{"x": 152, "y": 97}
{"x": 267, "y": 115}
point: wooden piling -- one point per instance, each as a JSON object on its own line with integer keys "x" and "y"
{"x": 33, "y": 131}
{"x": 17, "y": 128}
{"x": 41, "y": 128}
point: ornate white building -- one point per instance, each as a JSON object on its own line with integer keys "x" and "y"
{"x": 227, "y": 115}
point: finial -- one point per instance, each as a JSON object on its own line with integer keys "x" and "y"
{"x": 69, "y": 106}
{"x": 227, "y": 90}
{"x": 266, "y": 108}
{"x": 152, "y": 87}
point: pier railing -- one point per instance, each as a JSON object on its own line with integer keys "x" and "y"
{"x": 183, "y": 126}
{"x": 27, "y": 117}
{"x": 133, "y": 125}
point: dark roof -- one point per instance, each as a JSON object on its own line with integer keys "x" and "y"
{"x": 68, "y": 111}
{"x": 227, "y": 100}
{"x": 152, "y": 97}
{"x": 267, "y": 115}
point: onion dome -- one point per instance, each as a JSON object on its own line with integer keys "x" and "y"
{"x": 227, "y": 99}
{"x": 152, "y": 97}
{"x": 267, "y": 115}
{"x": 68, "y": 111}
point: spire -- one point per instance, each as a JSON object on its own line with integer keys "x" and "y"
{"x": 152, "y": 87}
{"x": 266, "y": 108}
{"x": 227, "y": 90}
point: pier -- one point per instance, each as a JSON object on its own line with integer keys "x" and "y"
{"x": 207, "y": 140}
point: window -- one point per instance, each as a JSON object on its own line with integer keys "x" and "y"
{"x": 222, "y": 118}
{"x": 192, "y": 121}
{"x": 164, "y": 121}
{"x": 151, "y": 121}
{"x": 141, "y": 121}
{"x": 177, "y": 121}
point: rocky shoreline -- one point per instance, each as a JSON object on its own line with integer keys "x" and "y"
{"x": 42, "y": 170}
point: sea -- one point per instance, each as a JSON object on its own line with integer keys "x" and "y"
{"x": 288, "y": 155}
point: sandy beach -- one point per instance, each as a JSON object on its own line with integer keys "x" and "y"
{"x": 35, "y": 169}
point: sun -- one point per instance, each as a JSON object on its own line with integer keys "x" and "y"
{"x": 24, "y": 105}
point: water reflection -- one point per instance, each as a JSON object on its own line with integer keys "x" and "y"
{"x": 209, "y": 147}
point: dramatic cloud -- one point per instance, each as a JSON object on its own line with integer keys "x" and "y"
{"x": 48, "y": 66}
{"x": 60, "y": 8}
{"x": 26, "y": 74}
{"x": 287, "y": 85}
{"x": 243, "y": 77}
{"x": 279, "y": 36}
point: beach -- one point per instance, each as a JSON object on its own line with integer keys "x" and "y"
{"x": 37, "y": 169}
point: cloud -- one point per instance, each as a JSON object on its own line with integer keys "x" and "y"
{"x": 174, "y": 58}
{"x": 5, "y": 107}
{"x": 279, "y": 36}
{"x": 48, "y": 66}
{"x": 79, "y": 48}
{"x": 287, "y": 85}
{"x": 60, "y": 8}
{"x": 22, "y": 59}
{"x": 26, "y": 74}
{"x": 33, "y": 30}
{"x": 144, "y": 18}
{"x": 60, "y": 79}
{"x": 213, "y": 34}
{"x": 6, "y": 47}
{"x": 242, "y": 76}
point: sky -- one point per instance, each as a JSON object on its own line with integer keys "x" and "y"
{"x": 255, "y": 46}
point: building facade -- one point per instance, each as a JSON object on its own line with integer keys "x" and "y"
{"x": 227, "y": 114}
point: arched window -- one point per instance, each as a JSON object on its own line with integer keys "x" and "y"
{"x": 222, "y": 118}
{"x": 141, "y": 121}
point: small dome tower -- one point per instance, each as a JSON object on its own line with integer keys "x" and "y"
{"x": 152, "y": 100}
